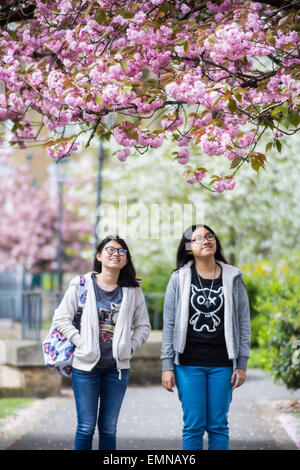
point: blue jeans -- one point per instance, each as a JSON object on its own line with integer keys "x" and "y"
{"x": 88, "y": 387}
{"x": 205, "y": 394}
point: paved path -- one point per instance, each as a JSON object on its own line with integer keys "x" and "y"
{"x": 150, "y": 419}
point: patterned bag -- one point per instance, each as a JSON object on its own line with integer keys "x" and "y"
{"x": 57, "y": 349}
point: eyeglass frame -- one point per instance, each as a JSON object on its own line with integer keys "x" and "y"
{"x": 115, "y": 249}
{"x": 211, "y": 236}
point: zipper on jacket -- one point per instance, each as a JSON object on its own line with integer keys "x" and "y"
{"x": 118, "y": 369}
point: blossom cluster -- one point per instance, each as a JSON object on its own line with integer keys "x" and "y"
{"x": 77, "y": 62}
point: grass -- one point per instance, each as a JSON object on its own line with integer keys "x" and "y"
{"x": 10, "y": 406}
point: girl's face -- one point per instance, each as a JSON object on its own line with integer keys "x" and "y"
{"x": 113, "y": 255}
{"x": 203, "y": 243}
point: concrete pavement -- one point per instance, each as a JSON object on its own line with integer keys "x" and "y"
{"x": 151, "y": 419}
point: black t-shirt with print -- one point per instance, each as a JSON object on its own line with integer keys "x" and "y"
{"x": 205, "y": 342}
{"x": 108, "y": 305}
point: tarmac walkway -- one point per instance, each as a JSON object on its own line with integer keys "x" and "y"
{"x": 151, "y": 419}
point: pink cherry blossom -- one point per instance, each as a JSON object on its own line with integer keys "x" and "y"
{"x": 220, "y": 75}
{"x": 123, "y": 154}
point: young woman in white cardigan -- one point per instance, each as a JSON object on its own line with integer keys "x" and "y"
{"x": 114, "y": 323}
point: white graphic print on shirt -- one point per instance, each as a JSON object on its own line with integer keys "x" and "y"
{"x": 204, "y": 318}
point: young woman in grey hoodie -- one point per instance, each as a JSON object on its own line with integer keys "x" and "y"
{"x": 206, "y": 337}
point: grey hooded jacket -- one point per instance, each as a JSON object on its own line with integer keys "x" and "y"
{"x": 236, "y": 316}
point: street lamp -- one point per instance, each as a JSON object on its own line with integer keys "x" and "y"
{"x": 60, "y": 174}
{"x": 101, "y": 155}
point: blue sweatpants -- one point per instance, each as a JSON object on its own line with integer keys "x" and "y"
{"x": 205, "y": 394}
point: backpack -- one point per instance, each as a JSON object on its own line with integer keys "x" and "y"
{"x": 57, "y": 349}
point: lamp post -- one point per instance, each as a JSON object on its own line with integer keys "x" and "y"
{"x": 29, "y": 158}
{"x": 60, "y": 180}
{"x": 101, "y": 155}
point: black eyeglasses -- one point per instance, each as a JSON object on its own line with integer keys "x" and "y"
{"x": 199, "y": 238}
{"x": 111, "y": 250}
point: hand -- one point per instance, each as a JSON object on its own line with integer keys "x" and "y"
{"x": 239, "y": 377}
{"x": 168, "y": 380}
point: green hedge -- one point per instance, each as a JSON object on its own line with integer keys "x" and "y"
{"x": 274, "y": 294}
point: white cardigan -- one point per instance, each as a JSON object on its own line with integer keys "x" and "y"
{"x": 133, "y": 315}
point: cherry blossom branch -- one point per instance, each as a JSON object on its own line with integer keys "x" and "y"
{"x": 210, "y": 75}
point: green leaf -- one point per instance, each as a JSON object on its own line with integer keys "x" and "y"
{"x": 236, "y": 162}
{"x": 255, "y": 164}
{"x": 123, "y": 64}
{"x": 257, "y": 160}
{"x": 294, "y": 117}
{"x": 269, "y": 146}
{"x": 132, "y": 133}
{"x": 212, "y": 39}
{"x": 98, "y": 100}
{"x": 232, "y": 106}
{"x": 186, "y": 46}
{"x": 285, "y": 109}
{"x": 278, "y": 145}
{"x": 100, "y": 16}
{"x": 128, "y": 14}
{"x": 176, "y": 29}
{"x": 295, "y": 27}
{"x": 127, "y": 89}
{"x": 237, "y": 96}
{"x": 276, "y": 110}
{"x": 271, "y": 39}
{"x": 244, "y": 60}
{"x": 286, "y": 123}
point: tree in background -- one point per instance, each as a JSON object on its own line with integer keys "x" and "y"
{"x": 28, "y": 225}
{"x": 260, "y": 219}
{"x": 216, "y": 74}
{"x": 27, "y": 220}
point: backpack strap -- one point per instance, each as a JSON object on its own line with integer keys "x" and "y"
{"x": 82, "y": 293}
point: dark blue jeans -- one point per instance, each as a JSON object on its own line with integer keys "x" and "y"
{"x": 89, "y": 387}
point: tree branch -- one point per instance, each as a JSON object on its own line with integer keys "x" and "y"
{"x": 283, "y": 5}
{"x": 9, "y": 14}
{"x": 15, "y": 12}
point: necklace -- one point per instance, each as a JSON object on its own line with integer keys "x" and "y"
{"x": 208, "y": 301}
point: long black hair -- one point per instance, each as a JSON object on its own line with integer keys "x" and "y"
{"x": 182, "y": 252}
{"x": 127, "y": 276}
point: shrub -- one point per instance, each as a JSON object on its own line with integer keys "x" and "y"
{"x": 274, "y": 297}
{"x": 278, "y": 322}
{"x": 255, "y": 277}
{"x": 280, "y": 335}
